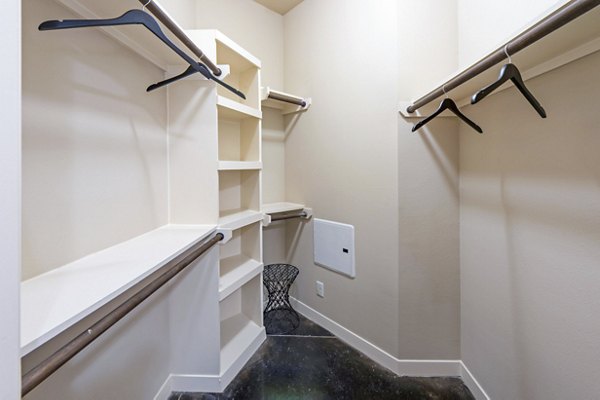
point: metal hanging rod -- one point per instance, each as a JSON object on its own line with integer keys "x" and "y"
{"x": 301, "y": 214}
{"x": 47, "y": 367}
{"x": 167, "y": 21}
{"x": 546, "y": 26}
{"x": 287, "y": 99}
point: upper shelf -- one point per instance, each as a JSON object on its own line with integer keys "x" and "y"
{"x": 53, "y": 301}
{"x": 572, "y": 41}
{"x": 281, "y": 207}
{"x": 287, "y": 103}
{"x": 137, "y": 38}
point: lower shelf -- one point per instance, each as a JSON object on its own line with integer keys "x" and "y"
{"x": 238, "y": 335}
{"x": 236, "y": 271}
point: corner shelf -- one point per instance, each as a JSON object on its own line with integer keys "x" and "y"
{"x": 285, "y": 107}
{"x": 572, "y": 41}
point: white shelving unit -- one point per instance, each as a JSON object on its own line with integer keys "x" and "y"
{"x": 214, "y": 173}
{"x": 239, "y": 168}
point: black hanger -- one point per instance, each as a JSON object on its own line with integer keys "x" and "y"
{"x": 510, "y": 71}
{"x": 136, "y": 17}
{"x": 191, "y": 70}
{"x": 448, "y": 104}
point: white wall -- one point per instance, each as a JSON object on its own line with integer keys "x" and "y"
{"x": 94, "y": 143}
{"x": 352, "y": 160}
{"x": 530, "y": 228}
{"x": 485, "y": 26}
{"x": 10, "y": 199}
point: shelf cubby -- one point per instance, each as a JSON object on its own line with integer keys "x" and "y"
{"x": 240, "y": 259}
{"x": 239, "y": 191}
{"x": 244, "y": 68}
{"x": 239, "y": 140}
{"x": 242, "y": 328}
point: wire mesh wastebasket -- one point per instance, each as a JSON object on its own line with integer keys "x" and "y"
{"x": 279, "y": 316}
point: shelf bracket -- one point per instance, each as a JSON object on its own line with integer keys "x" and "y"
{"x": 227, "y": 234}
{"x": 305, "y": 214}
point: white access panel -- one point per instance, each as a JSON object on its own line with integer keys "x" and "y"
{"x": 334, "y": 246}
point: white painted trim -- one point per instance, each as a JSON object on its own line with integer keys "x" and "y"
{"x": 214, "y": 383}
{"x": 231, "y": 372}
{"x": 196, "y": 383}
{"x": 396, "y": 365}
{"x": 472, "y": 383}
{"x": 165, "y": 390}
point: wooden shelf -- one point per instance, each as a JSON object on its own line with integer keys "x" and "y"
{"x": 52, "y": 302}
{"x": 274, "y": 208}
{"x": 240, "y": 219}
{"x": 235, "y": 271}
{"x": 137, "y": 38}
{"x": 232, "y": 110}
{"x": 238, "y": 334}
{"x": 239, "y": 165}
{"x": 574, "y": 40}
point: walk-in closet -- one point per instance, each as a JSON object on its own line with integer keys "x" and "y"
{"x": 300, "y": 199}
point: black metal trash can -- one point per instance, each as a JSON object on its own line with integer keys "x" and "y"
{"x": 279, "y": 316}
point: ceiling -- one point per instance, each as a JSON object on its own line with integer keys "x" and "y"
{"x": 279, "y": 6}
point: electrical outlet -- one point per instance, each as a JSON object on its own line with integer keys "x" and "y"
{"x": 320, "y": 289}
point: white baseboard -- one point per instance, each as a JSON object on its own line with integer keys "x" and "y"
{"x": 165, "y": 390}
{"x": 196, "y": 383}
{"x": 472, "y": 383}
{"x": 396, "y": 365}
{"x": 210, "y": 383}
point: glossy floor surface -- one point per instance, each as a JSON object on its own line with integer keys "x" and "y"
{"x": 311, "y": 363}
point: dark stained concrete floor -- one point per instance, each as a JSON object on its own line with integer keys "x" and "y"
{"x": 311, "y": 363}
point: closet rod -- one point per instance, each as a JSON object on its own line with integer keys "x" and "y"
{"x": 47, "y": 367}
{"x": 301, "y": 214}
{"x": 561, "y": 17}
{"x": 167, "y": 21}
{"x": 287, "y": 99}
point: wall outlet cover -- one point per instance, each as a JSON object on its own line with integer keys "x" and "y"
{"x": 320, "y": 289}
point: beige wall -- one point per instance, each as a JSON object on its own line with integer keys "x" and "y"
{"x": 485, "y": 26}
{"x": 428, "y": 259}
{"x": 352, "y": 160}
{"x": 94, "y": 143}
{"x": 530, "y": 228}
{"x": 252, "y": 26}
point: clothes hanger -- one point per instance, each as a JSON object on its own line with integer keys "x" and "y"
{"x": 510, "y": 71}
{"x": 447, "y": 104}
{"x": 137, "y": 17}
{"x": 191, "y": 70}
